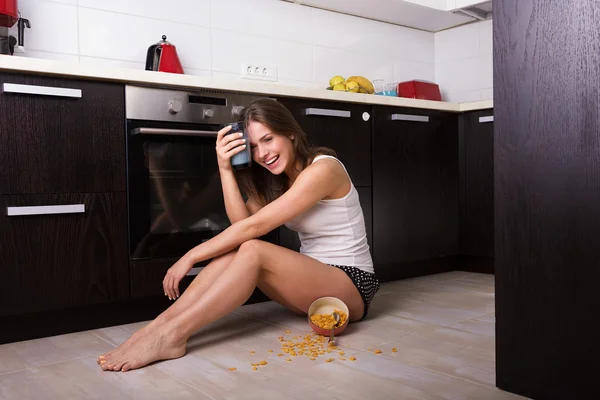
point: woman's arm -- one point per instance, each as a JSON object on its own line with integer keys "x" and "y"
{"x": 235, "y": 207}
{"x": 313, "y": 184}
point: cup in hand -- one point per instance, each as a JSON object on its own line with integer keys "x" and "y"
{"x": 243, "y": 159}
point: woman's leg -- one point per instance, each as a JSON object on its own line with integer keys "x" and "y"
{"x": 297, "y": 279}
{"x": 193, "y": 292}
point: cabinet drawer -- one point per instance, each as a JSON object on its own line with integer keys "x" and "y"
{"x": 59, "y": 251}
{"x": 343, "y": 127}
{"x": 61, "y": 135}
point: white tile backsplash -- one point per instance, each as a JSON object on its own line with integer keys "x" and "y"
{"x": 105, "y": 34}
{"x": 193, "y": 12}
{"x": 330, "y": 62}
{"x": 405, "y": 70}
{"x": 269, "y": 18}
{"x": 231, "y": 49}
{"x": 413, "y": 45}
{"x": 110, "y": 63}
{"x": 307, "y": 45}
{"x": 457, "y": 43}
{"x": 53, "y": 26}
{"x": 486, "y": 37}
{"x": 46, "y": 55}
{"x": 464, "y": 62}
{"x": 359, "y": 35}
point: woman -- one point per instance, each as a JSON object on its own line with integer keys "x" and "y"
{"x": 290, "y": 183}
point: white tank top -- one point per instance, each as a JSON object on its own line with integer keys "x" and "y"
{"x": 333, "y": 231}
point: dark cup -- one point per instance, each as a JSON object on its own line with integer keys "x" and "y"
{"x": 243, "y": 159}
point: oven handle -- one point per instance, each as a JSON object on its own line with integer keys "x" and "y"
{"x": 173, "y": 132}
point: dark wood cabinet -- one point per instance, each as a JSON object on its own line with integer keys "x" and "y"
{"x": 344, "y": 127}
{"x": 547, "y": 197}
{"x": 415, "y": 188}
{"x": 54, "y": 141}
{"x": 77, "y": 257}
{"x": 476, "y": 166}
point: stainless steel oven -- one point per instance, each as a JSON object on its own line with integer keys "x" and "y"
{"x": 174, "y": 189}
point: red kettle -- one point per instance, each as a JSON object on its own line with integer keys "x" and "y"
{"x": 162, "y": 56}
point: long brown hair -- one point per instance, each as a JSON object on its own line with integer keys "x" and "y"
{"x": 256, "y": 181}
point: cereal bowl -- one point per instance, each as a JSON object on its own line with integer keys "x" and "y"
{"x": 325, "y": 306}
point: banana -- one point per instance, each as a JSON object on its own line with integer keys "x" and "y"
{"x": 363, "y": 82}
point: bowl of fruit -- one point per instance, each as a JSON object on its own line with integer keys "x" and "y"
{"x": 352, "y": 84}
{"x": 321, "y": 316}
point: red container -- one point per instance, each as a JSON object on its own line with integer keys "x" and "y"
{"x": 419, "y": 90}
{"x": 8, "y": 12}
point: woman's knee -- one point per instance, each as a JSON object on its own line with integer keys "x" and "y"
{"x": 252, "y": 249}
{"x": 251, "y": 246}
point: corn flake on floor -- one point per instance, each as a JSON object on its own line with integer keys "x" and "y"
{"x": 425, "y": 338}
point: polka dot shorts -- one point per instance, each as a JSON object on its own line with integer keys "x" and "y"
{"x": 366, "y": 283}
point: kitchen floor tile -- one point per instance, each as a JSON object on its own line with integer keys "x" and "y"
{"x": 474, "y": 326}
{"x": 442, "y": 328}
{"x": 83, "y": 379}
{"x": 381, "y": 373}
{"x": 488, "y": 318}
{"x": 50, "y": 350}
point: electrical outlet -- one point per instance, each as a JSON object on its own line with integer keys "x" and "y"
{"x": 259, "y": 72}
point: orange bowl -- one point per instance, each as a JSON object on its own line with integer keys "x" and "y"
{"x": 327, "y": 305}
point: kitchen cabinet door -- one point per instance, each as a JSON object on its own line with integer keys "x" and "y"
{"x": 59, "y": 251}
{"x": 415, "y": 186}
{"x": 61, "y": 136}
{"x": 344, "y": 127}
{"x": 477, "y": 183}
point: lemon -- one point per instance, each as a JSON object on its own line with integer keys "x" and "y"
{"x": 340, "y": 87}
{"x": 335, "y": 80}
{"x": 352, "y": 87}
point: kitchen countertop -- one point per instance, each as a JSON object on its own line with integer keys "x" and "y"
{"x": 132, "y": 76}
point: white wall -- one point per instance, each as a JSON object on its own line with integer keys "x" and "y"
{"x": 213, "y": 38}
{"x": 464, "y": 63}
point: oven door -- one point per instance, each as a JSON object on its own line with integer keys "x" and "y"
{"x": 174, "y": 188}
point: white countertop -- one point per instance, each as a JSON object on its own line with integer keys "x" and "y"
{"x": 132, "y": 76}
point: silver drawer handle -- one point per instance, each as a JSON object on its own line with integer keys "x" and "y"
{"x": 173, "y": 132}
{"x": 41, "y": 90}
{"x": 489, "y": 118}
{"x": 407, "y": 117}
{"x": 45, "y": 210}
{"x": 194, "y": 271}
{"x": 328, "y": 113}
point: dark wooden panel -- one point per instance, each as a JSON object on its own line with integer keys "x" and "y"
{"x": 547, "y": 196}
{"x": 406, "y": 270}
{"x": 365, "y": 195}
{"x": 62, "y": 145}
{"x": 349, "y": 137}
{"x": 477, "y": 185}
{"x": 482, "y": 265}
{"x": 56, "y": 261}
{"x": 415, "y": 187}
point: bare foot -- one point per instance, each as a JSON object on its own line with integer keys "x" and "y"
{"x": 146, "y": 349}
{"x": 132, "y": 339}
{"x": 151, "y": 326}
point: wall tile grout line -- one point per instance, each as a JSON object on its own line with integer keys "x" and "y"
{"x": 143, "y": 16}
